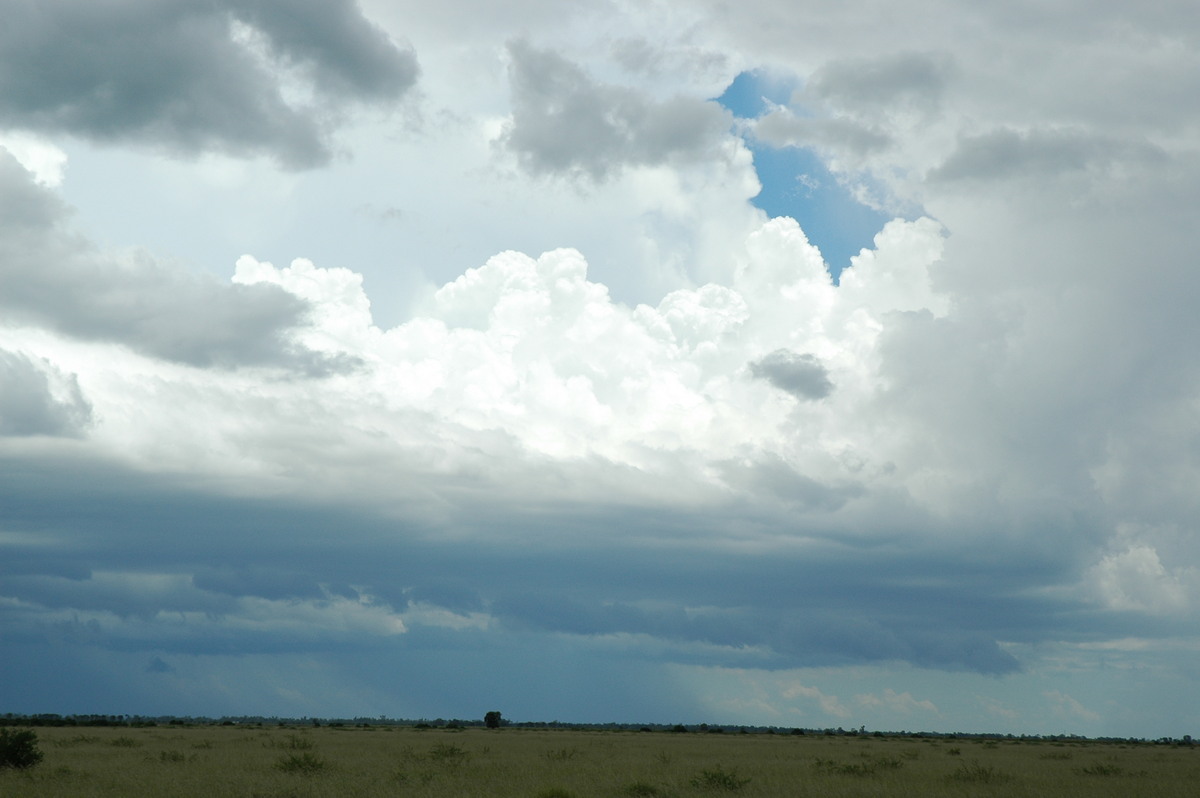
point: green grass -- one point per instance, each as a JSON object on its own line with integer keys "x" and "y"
{"x": 248, "y": 762}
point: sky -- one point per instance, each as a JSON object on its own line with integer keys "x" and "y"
{"x": 805, "y": 364}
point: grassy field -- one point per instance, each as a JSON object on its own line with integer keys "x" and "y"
{"x": 354, "y": 762}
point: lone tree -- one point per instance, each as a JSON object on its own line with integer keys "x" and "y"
{"x": 492, "y": 720}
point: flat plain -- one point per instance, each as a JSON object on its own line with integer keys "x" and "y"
{"x": 365, "y": 762}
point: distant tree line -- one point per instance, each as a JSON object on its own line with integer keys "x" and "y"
{"x": 490, "y": 718}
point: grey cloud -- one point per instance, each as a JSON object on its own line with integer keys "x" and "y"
{"x": 564, "y": 122}
{"x": 1006, "y": 153}
{"x": 158, "y": 665}
{"x": 803, "y": 376}
{"x": 780, "y": 128}
{"x": 55, "y": 278}
{"x": 30, "y": 403}
{"x": 913, "y": 79}
{"x": 172, "y": 74}
{"x": 771, "y": 475}
{"x": 818, "y": 635}
{"x": 641, "y": 56}
{"x": 254, "y": 580}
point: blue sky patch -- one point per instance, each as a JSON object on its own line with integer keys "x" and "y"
{"x": 795, "y": 181}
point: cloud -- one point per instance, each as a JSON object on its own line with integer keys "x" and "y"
{"x": 56, "y": 278}
{"x": 1067, "y": 708}
{"x": 38, "y": 399}
{"x": 1040, "y": 153}
{"x": 158, "y": 665}
{"x": 896, "y": 703}
{"x": 886, "y": 81}
{"x": 781, "y": 127}
{"x": 829, "y": 704}
{"x": 1136, "y": 579}
{"x": 192, "y": 77}
{"x": 564, "y": 122}
{"x": 45, "y": 162}
{"x": 802, "y": 376}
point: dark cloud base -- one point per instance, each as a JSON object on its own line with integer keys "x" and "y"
{"x": 827, "y": 606}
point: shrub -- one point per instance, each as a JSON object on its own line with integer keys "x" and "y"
{"x": 719, "y": 779}
{"x": 1058, "y": 755}
{"x": 292, "y": 742}
{"x": 844, "y": 768}
{"x": 979, "y": 774}
{"x": 306, "y": 763}
{"x": 19, "y": 748}
{"x": 1101, "y": 769}
{"x": 447, "y": 753}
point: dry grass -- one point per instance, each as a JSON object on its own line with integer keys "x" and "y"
{"x": 245, "y": 762}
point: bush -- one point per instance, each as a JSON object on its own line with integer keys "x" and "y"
{"x": 1101, "y": 769}
{"x": 19, "y": 748}
{"x": 305, "y": 763}
{"x": 295, "y": 742}
{"x": 719, "y": 779}
{"x": 448, "y": 754}
{"x": 979, "y": 774}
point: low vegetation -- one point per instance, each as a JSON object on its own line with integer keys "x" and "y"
{"x": 275, "y": 761}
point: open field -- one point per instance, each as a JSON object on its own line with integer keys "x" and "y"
{"x": 354, "y": 762}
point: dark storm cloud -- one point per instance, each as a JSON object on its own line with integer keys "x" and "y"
{"x": 173, "y": 74}
{"x": 564, "y": 122}
{"x": 803, "y": 376}
{"x": 28, "y": 404}
{"x": 55, "y": 278}
{"x": 84, "y": 538}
